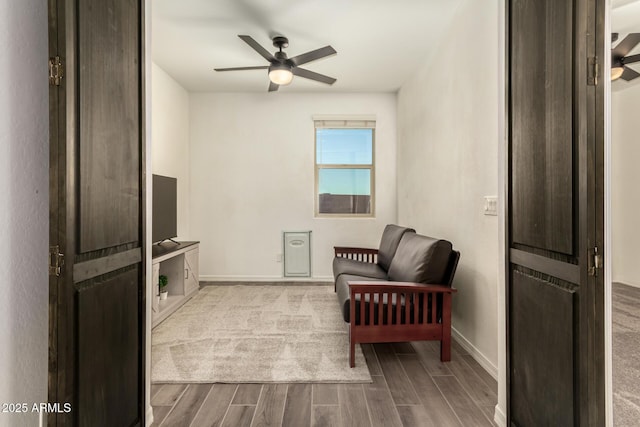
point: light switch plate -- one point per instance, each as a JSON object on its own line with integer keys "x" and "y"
{"x": 491, "y": 205}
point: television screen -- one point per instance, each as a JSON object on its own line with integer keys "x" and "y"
{"x": 165, "y": 206}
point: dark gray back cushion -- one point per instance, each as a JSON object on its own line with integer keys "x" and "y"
{"x": 420, "y": 259}
{"x": 389, "y": 243}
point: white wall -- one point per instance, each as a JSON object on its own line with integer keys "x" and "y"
{"x": 252, "y": 177}
{"x": 625, "y": 176}
{"x": 24, "y": 218}
{"x": 170, "y": 138}
{"x": 448, "y": 139}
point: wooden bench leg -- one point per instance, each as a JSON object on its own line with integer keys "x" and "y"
{"x": 352, "y": 349}
{"x": 445, "y": 348}
{"x": 445, "y": 343}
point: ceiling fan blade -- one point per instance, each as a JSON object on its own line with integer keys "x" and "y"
{"x": 273, "y": 86}
{"x": 313, "y": 55}
{"x": 301, "y": 72}
{"x": 256, "y": 46}
{"x": 261, "y": 67}
{"x": 626, "y": 45}
{"x": 631, "y": 59}
{"x": 629, "y": 74}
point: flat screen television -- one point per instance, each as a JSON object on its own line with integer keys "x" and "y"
{"x": 165, "y": 208}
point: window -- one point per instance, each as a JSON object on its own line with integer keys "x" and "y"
{"x": 345, "y": 167}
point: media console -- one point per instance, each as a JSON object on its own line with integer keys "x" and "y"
{"x": 180, "y": 263}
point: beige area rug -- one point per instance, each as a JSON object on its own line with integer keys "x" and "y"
{"x": 256, "y": 334}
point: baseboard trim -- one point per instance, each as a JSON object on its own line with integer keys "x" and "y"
{"x": 149, "y": 417}
{"x": 207, "y": 278}
{"x": 475, "y": 353}
{"x": 499, "y": 417}
{"x": 627, "y": 283}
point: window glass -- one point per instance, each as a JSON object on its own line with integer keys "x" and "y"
{"x": 344, "y": 169}
{"x": 344, "y": 191}
{"x": 344, "y": 181}
{"x": 344, "y": 146}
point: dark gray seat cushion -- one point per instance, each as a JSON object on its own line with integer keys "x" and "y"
{"x": 389, "y": 241}
{"x": 420, "y": 259}
{"x": 358, "y": 268}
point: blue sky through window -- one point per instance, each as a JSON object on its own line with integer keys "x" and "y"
{"x": 345, "y": 181}
{"x": 344, "y": 146}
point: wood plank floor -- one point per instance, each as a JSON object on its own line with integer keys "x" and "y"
{"x": 626, "y": 344}
{"x": 411, "y": 387}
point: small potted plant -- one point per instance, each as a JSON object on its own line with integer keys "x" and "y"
{"x": 163, "y": 281}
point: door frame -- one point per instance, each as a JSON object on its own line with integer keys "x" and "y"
{"x": 148, "y": 165}
{"x": 608, "y": 330}
{"x": 500, "y": 411}
{"x": 500, "y": 414}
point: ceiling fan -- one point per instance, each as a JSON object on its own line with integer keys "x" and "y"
{"x": 282, "y": 69}
{"x": 619, "y": 60}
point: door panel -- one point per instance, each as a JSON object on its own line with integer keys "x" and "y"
{"x": 109, "y": 110}
{"x": 97, "y": 328}
{"x": 108, "y": 369}
{"x": 554, "y": 316}
{"x": 542, "y": 144}
{"x": 542, "y": 349}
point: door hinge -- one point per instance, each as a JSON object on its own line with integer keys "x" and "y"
{"x": 56, "y": 71}
{"x": 595, "y": 262}
{"x": 56, "y": 260}
{"x": 593, "y": 71}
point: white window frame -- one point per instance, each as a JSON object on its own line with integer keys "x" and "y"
{"x": 322, "y": 122}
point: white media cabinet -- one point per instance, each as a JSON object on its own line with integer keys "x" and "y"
{"x": 180, "y": 263}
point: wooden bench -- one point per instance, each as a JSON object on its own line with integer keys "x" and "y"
{"x": 408, "y": 298}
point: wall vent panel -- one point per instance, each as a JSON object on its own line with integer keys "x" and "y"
{"x": 297, "y": 253}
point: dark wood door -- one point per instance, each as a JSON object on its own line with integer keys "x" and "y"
{"x": 97, "y": 304}
{"x": 555, "y": 291}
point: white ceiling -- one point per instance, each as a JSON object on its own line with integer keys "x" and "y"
{"x": 380, "y": 43}
{"x": 625, "y": 19}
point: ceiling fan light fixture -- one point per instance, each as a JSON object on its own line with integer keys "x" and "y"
{"x": 281, "y": 68}
{"x": 616, "y": 72}
{"x": 280, "y": 74}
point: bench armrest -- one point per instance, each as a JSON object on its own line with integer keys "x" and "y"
{"x": 386, "y": 286}
{"x": 386, "y": 311}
